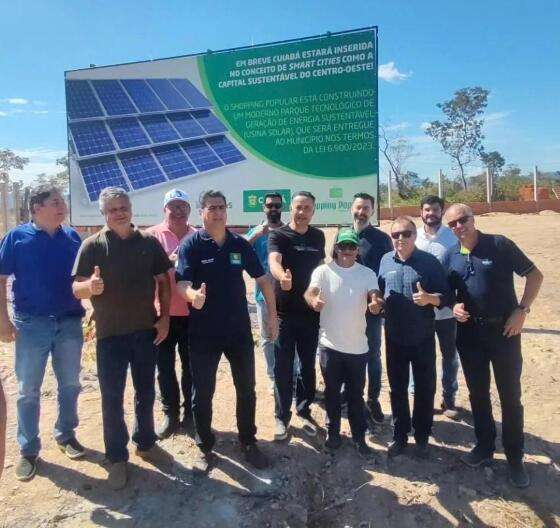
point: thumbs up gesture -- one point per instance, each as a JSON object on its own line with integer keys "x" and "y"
{"x": 199, "y": 297}
{"x": 286, "y": 281}
{"x": 96, "y": 285}
{"x": 319, "y": 302}
{"x": 422, "y": 297}
{"x": 375, "y": 304}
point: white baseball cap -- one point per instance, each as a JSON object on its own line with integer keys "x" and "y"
{"x": 175, "y": 194}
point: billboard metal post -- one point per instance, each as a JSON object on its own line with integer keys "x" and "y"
{"x": 535, "y": 188}
{"x": 489, "y": 188}
{"x": 440, "y": 184}
{"x": 389, "y": 200}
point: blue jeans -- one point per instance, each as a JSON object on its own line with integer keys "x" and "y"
{"x": 114, "y": 354}
{"x": 37, "y": 337}
{"x": 266, "y": 344}
{"x": 373, "y": 334}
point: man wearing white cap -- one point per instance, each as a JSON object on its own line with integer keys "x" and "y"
{"x": 171, "y": 232}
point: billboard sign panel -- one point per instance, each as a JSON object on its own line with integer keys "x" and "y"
{"x": 296, "y": 115}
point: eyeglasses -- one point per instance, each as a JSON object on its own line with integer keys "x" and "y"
{"x": 460, "y": 221}
{"x": 347, "y": 246}
{"x": 273, "y": 205}
{"x": 407, "y": 233}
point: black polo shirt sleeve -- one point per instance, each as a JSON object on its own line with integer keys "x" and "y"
{"x": 439, "y": 283}
{"x": 161, "y": 262}
{"x": 85, "y": 259}
{"x": 186, "y": 260}
{"x": 251, "y": 263}
{"x": 519, "y": 262}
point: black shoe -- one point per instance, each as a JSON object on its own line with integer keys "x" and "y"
{"x": 363, "y": 449}
{"x": 202, "y": 461}
{"x": 255, "y": 456}
{"x": 376, "y": 412}
{"x": 187, "y": 425}
{"x": 421, "y": 449}
{"x": 396, "y": 448}
{"x": 72, "y": 449}
{"x": 518, "y": 475}
{"x": 333, "y": 442}
{"x": 167, "y": 427}
{"x": 476, "y": 458}
{"x": 449, "y": 410}
{"x": 26, "y": 468}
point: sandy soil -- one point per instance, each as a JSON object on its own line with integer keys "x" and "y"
{"x": 306, "y": 487}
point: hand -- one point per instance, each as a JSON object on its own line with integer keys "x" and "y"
{"x": 173, "y": 257}
{"x": 162, "y": 329}
{"x": 375, "y": 305}
{"x": 7, "y": 331}
{"x": 286, "y": 281}
{"x": 199, "y": 297}
{"x": 514, "y": 324}
{"x": 261, "y": 230}
{"x": 422, "y": 297}
{"x": 96, "y": 285}
{"x": 272, "y": 328}
{"x": 460, "y": 313}
{"x": 318, "y": 302}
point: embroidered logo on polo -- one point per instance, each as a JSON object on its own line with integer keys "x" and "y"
{"x": 306, "y": 248}
{"x": 207, "y": 261}
{"x": 487, "y": 262}
{"x": 235, "y": 259}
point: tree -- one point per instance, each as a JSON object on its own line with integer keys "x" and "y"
{"x": 460, "y": 135}
{"x": 397, "y": 150}
{"x": 9, "y": 161}
{"x": 493, "y": 161}
{"x": 60, "y": 179}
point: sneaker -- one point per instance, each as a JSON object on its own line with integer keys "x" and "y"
{"x": 363, "y": 449}
{"x": 476, "y": 458}
{"x": 333, "y": 442}
{"x": 117, "y": 475}
{"x": 201, "y": 462}
{"x": 518, "y": 475}
{"x": 255, "y": 456}
{"x": 376, "y": 412}
{"x": 449, "y": 410}
{"x": 26, "y": 468}
{"x": 167, "y": 427}
{"x": 308, "y": 426}
{"x": 396, "y": 448}
{"x": 280, "y": 430}
{"x": 72, "y": 449}
{"x": 421, "y": 449}
{"x": 154, "y": 455}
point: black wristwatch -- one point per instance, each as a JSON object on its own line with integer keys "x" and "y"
{"x": 525, "y": 309}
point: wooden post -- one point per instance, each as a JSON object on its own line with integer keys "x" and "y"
{"x": 389, "y": 201}
{"x": 440, "y": 184}
{"x": 4, "y": 206}
{"x": 489, "y": 189}
{"x": 535, "y": 188}
{"x": 16, "y": 198}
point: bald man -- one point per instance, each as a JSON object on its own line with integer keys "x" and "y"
{"x": 480, "y": 269}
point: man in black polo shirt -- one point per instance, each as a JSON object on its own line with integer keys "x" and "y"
{"x": 295, "y": 250}
{"x": 481, "y": 269}
{"x": 210, "y": 277}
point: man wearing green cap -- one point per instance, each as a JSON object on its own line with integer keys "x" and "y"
{"x": 342, "y": 291}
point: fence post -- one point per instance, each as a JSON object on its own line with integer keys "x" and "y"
{"x": 535, "y": 189}
{"x": 4, "y": 205}
{"x": 16, "y": 198}
{"x": 440, "y": 184}
{"x": 489, "y": 189}
{"x": 389, "y": 200}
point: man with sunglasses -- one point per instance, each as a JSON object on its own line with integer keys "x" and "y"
{"x": 413, "y": 282}
{"x": 436, "y": 239}
{"x": 258, "y": 238}
{"x": 481, "y": 269}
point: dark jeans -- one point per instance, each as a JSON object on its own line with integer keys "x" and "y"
{"x": 301, "y": 336}
{"x": 169, "y": 388}
{"x": 446, "y": 331}
{"x": 373, "y": 333}
{"x": 422, "y": 357}
{"x": 114, "y": 354}
{"x": 205, "y": 353}
{"x": 478, "y": 348}
{"x": 349, "y": 369}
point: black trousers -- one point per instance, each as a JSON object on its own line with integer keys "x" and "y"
{"x": 479, "y": 347}
{"x": 422, "y": 357}
{"x": 339, "y": 368}
{"x": 301, "y": 336}
{"x": 205, "y": 354}
{"x": 178, "y": 337}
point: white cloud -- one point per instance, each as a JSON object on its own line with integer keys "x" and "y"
{"x": 390, "y": 73}
{"x": 496, "y": 116}
{"x": 41, "y": 160}
{"x": 39, "y": 112}
{"x": 16, "y": 101}
{"x": 398, "y": 126}
{"x": 424, "y": 125}
{"x": 3, "y": 114}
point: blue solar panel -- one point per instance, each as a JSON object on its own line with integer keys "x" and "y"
{"x": 91, "y": 137}
{"x": 225, "y": 149}
{"x": 113, "y": 97}
{"x": 159, "y": 128}
{"x": 174, "y": 161}
{"x": 142, "y": 95}
{"x": 81, "y": 101}
{"x": 128, "y": 133}
{"x": 99, "y": 173}
{"x": 168, "y": 94}
{"x": 209, "y": 121}
{"x": 141, "y": 169}
{"x": 201, "y": 155}
{"x": 186, "y": 125}
{"x": 190, "y": 93}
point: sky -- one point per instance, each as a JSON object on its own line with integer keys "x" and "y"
{"x": 427, "y": 51}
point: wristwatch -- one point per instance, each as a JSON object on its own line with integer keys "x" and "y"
{"x": 525, "y": 309}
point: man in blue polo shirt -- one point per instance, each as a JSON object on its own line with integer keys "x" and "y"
{"x": 46, "y": 320}
{"x": 210, "y": 277}
{"x": 481, "y": 269}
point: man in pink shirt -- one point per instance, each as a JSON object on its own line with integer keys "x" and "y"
{"x": 171, "y": 232}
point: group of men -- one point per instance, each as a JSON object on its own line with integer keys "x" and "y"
{"x": 175, "y": 287}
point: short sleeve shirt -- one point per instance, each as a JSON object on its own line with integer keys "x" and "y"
{"x": 202, "y": 260}
{"x": 483, "y": 277}
{"x": 128, "y": 267}
{"x": 301, "y": 254}
{"x": 42, "y": 268}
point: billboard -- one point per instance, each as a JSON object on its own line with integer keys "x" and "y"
{"x": 287, "y": 116}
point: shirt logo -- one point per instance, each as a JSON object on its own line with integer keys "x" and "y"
{"x": 487, "y": 262}
{"x": 235, "y": 259}
{"x": 207, "y": 261}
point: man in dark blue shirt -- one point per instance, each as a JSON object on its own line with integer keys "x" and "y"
{"x": 481, "y": 269}
{"x": 46, "y": 320}
{"x": 210, "y": 276}
{"x": 412, "y": 282}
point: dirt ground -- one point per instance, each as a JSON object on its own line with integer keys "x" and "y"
{"x": 306, "y": 487}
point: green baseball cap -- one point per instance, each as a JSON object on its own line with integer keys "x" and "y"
{"x": 347, "y": 235}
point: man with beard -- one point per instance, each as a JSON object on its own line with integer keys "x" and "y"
{"x": 258, "y": 238}
{"x": 436, "y": 239}
{"x": 481, "y": 269}
{"x": 374, "y": 243}
{"x": 171, "y": 232}
{"x": 295, "y": 250}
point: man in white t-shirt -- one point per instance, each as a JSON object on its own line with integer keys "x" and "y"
{"x": 342, "y": 291}
{"x": 436, "y": 239}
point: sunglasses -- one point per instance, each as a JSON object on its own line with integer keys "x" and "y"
{"x": 407, "y": 233}
{"x": 460, "y": 221}
{"x": 347, "y": 246}
{"x": 273, "y": 205}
